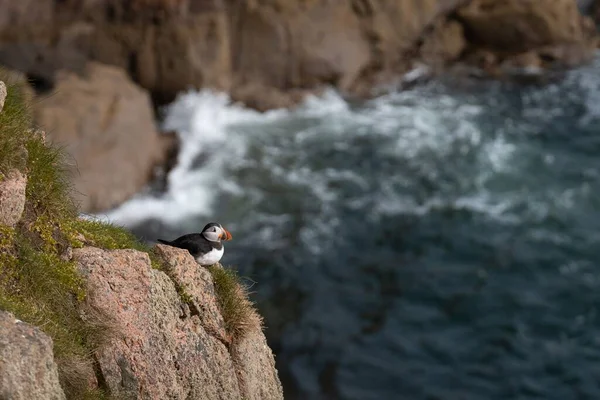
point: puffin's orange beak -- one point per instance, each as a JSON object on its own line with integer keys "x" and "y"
{"x": 226, "y": 235}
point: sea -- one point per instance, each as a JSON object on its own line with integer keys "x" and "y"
{"x": 436, "y": 242}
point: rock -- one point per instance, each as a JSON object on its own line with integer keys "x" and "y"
{"x": 162, "y": 352}
{"x": 25, "y": 13}
{"x": 444, "y": 44}
{"x": 27, "y": 367}
{"x": 262, "y": 98}
{"x": 279, "y": 45}
{"x": 517, "y": 26}
{"x": 107, "y": 123}
{"x": 528, "y": 60}
{"x": 12, "y": 197}
{"x": 196, "y": 282}
{"x": 169, "y": 46}
{"x": 169, "y": 57}
{"x": 297, "y": 44}
{"x": 256, "y": 368}
{"x": 168, "y": 346}
{"x": 2, "y": 95}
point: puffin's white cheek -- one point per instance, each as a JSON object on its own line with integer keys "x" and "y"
{"x": 212, "y": 236}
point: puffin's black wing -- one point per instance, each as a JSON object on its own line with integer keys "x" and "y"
{"x": 195, "y": 243}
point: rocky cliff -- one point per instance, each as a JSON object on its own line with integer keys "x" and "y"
{"x": 87, "y": 312}
{"x": 266, "y": 53}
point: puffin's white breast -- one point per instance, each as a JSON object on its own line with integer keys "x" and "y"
{"x": 210, "y": 258}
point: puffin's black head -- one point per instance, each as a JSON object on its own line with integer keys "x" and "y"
{"x": 215, "y": 232}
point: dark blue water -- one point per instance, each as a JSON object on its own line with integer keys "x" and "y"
{"x": 439, "y": 243}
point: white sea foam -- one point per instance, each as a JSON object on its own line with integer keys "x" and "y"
{"x": 201, "y": 120}
{"x": 423, "y": 130}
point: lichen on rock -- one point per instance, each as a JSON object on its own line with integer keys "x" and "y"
{"x": 170, "y": 346}
{"x": 27, "y": 367}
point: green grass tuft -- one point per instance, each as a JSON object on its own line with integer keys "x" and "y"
{"x": 15, "y": 121}
{"x": 238, "y": 311}
{"x": 108, "y": 236}
{"x": 44, "y": 290}
{"x": 48, "y": 188}
{"x": 112, "y": 237}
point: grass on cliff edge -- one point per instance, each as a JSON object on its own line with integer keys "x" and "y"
{"x": 237, "y": 310}
{"x": 37, "y": 283}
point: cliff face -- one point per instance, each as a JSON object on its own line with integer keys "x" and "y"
{"x": 171, "y": 344}
{"x": 265, "y": 53}
{"x": 161, "y": 345}
{"x": 283, "y": 46}
{"x": 113, "y": 321}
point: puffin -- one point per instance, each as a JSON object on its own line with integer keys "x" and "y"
{"x": 206, "y": 247}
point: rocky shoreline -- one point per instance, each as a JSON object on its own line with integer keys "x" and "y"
{"x": 86, "y": 311}
{"x": 112, "y": 64}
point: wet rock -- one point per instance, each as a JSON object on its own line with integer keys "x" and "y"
{"x": 12, "y": 197}
{"x": 108, "y": 125}
{"x": 27, "y": 367}
{"x": 2, "y": 95}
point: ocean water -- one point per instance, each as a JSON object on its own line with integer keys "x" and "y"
{"x": 437, "y": 243}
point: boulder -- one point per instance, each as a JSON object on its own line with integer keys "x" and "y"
{"x": 12, "y": 197}
{"x": 170, "y": 340}
{"x": 27, "y": 367}
{"x": 107, "y": 124}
